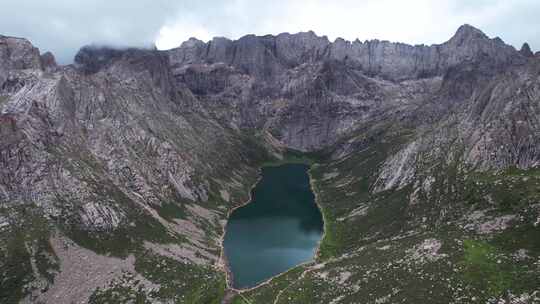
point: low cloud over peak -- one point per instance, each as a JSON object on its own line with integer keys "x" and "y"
{"x": 63, "y": 26}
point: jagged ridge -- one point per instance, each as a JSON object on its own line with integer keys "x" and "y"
{"x": 143, "y": 152}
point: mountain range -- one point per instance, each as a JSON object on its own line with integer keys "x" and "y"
{"x": 118, "y": 172}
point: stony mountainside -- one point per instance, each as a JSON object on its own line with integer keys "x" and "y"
{"x": 117, "y": 173}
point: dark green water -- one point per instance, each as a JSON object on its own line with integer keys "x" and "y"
{"x": 279, "y": 229}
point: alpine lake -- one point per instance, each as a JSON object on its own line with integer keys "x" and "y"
{"x": 277, "y": 230}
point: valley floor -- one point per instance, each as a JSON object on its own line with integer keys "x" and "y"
{"x": 390, "y": 248}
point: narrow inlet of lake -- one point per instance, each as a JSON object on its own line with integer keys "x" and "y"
{"x": 279, "y": 229}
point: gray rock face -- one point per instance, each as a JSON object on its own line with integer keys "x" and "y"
{"x": 308, "y": 92}
{"x": 268, "y": 56}
{"x": 526, "y": 50}
{"x": 48, "y": 62}
{"x": 18, "y": 53}
{"x": 105, "y": 145}
{"x": 102, "y": 145}
{"x": 397, "y": 61}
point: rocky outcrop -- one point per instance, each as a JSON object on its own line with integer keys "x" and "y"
{"x": 304, "y": 91}
{"x": 526, "y": 50}
{"x": 268, "y": 56}
{"x": 308, "y": 92}
{"x": 152, "y": 148}
{"x": 111, "y": 148}
{"x": 48, "y": 62}
{"x": 18, "y": 54}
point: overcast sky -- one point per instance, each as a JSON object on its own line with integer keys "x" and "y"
{"x": 63, "y": 26}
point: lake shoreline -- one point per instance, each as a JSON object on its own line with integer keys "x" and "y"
{"x": 319, "y": 206}
{"x": 224, "y": 262}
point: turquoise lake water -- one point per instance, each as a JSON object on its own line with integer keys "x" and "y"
{"x": 279, "y": 229}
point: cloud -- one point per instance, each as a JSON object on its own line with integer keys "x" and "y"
{"x": 63, "y": 26}
{"x": 412, "y": 21}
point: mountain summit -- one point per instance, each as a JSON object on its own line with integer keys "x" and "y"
{"x": 118, "y": 173}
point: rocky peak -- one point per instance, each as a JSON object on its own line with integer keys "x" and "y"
{"x": 148, "y": 65}
{"x": 268, "y": 56}
{"x": 467, "y": 32}
{"x": 191, "y": 51}
{"x": 18, "y": 53}
{"x": 470, "y": 38}
{"x": 192, "y": 43}
{"x": 219, "y": 49}
{"x": 103, "y": 146}
{"x": 48, "y": 62}
{"x": 308, "y": 38}
{"x": 469, "y": 44}
{"x": 301, "y": 47}
{"x": 526, "y": 50}
{"x": 92, "y": 58}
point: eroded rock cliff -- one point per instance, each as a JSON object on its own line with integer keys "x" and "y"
{"x": 140, "y": 155}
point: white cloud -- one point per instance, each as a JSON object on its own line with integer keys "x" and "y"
{"x": 171, "y": 36}
{"x": 65, "y": 25}
{"x": 413, "y": 21}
